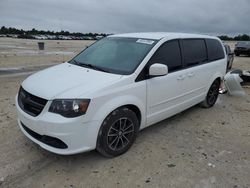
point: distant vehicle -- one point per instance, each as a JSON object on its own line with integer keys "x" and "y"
{"x": 230, "y": 56}
{"x": 98, "y": 37}
{"x": 40, "y": 37}
{"x": 62, "y": 37}
{"x": 119, "y": 85}
{"x": 51, "y": 37}
{"x": 12, "y": 35}
{"x": 88, "y": 38}
{"x": 242, "y": 48}
{"x": 73, "y": 38}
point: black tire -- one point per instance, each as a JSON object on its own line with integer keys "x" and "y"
{"x": 117, "y": 133}
{"x": 212, "y": 95}
{"x": 237, "y": 54}
{"x": 228, "y": 68}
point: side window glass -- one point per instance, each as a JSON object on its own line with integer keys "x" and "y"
{"x": 168, "y": 54}
{"x": 214, "y": 50}
{"x": 194, "y": 51}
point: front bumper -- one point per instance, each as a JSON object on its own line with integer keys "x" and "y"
{"x": 242, "y": 51}
{"x": 79, "y": 136}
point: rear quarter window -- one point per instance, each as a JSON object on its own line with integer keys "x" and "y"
{"x": 214, "y": 50}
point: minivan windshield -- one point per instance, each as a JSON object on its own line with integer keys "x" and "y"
{"x": 116, "y": 55}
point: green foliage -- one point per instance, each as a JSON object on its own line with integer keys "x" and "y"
{"x": 243, "y": 37}
{"x": 29, "y": 33}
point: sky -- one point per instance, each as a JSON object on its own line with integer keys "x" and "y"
{"x": 215, "y": 17}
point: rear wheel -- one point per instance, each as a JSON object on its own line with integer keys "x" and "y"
{"x": 228, "y": 66}
{"x": 212, "y": 95}
{"x": 118, "y": 132}
{"x": 237, "y": 54}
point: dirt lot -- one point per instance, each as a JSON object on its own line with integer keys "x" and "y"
{"x": 197, "y": 148}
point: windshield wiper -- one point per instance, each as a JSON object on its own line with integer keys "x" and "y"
{"x": 94, "y": 67}
{"x": 90, "y": 66}
{"x": 76, "y": 62}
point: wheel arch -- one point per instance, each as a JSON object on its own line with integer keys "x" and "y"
{"x": 101, "y": 145}
{"x": 217, "y": 76}
{"x": 133, "y": 103}
{"x": 133, "y": 108}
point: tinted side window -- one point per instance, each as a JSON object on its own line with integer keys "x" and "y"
{"x": 168, "y": 54}
{"x": 214, "y": 50}
{"x": 194, "y": 51}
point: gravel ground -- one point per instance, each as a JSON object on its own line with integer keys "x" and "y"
{"x": 196, "y": 148}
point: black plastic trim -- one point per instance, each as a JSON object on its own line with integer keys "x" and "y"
{"x": 29, "y": 103}
{"x": 51, "y": 141}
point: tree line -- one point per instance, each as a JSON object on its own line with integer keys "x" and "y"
{"x": 12, "y": 30}
{"x": 243, "y": 37}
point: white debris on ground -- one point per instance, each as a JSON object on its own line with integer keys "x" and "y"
{"x": 211, "y": 165}
{"x": 233, "y": 82}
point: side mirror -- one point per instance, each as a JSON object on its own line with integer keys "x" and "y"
{"x": 158, "y": 69}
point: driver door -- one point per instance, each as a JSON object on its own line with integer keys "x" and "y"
{"x": 165, "y": 94}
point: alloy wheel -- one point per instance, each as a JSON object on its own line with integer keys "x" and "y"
{"x": 120, "y": 134}
{"x": 213, "y": 94}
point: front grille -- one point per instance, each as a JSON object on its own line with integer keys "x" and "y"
{"x": 51, "y": 141}
{"x": 29, "y": 103}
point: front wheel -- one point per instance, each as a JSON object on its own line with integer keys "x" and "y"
{"x": 117, "y": 133}
{"x": 212, "y": 95}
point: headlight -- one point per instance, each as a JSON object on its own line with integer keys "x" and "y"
{"x": 69, "y": 107}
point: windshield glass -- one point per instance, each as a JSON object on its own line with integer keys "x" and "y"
{"x": 243, "y": 44}
{"x": 115, "y": 55}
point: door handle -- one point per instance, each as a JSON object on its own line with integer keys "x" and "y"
{"x": 181, "y": 77}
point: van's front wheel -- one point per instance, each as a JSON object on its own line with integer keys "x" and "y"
{"x": 212, "y": 95}
{"x": 117, "y": 133}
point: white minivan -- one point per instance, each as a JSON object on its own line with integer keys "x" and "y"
{"x": 119, "y": 85}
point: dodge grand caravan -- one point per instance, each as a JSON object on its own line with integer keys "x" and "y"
{"x": 119, "y": 85}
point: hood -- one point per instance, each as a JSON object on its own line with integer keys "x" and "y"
{"x": 67, "y": 81}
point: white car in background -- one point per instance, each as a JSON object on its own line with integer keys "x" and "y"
{"x": 118, "y": 86}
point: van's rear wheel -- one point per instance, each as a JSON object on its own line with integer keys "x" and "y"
{"x": 212, "y": 95}
{"x": 117, "y": 133}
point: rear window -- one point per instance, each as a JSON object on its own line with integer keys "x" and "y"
{"x": 194, "y": 51}
{"x": 214, "y": 49}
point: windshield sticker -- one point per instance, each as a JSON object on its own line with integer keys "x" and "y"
{"x": 143, "y": 41}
